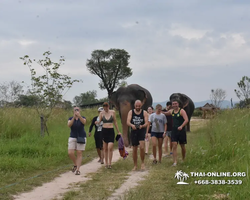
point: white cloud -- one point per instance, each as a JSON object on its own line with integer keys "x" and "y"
{"x": 26, "y": 42}
{"x": 186, "y": 32}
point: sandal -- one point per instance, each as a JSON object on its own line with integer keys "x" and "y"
{"x": 74, "y": 168}
{"x": 109, "y": 167}
{"x": 154, "y": 161}
{"x": 78, "y": 172}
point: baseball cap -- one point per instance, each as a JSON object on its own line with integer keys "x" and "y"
{"x": 100, "y": 109}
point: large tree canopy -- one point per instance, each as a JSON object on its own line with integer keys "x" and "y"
{"x": 111, "y": 66}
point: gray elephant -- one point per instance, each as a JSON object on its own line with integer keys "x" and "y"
{"x": 124, "y": 98}
{"x": 186, "y": 103}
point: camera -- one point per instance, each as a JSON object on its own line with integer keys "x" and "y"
{"x": 137, "y": 126}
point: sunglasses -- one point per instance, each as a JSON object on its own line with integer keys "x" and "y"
{"x": 76, "y": 109}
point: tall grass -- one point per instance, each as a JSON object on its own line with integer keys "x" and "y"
{"x": 24, "y": 153}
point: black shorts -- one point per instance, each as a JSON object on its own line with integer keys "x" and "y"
{"x": 137, "y": 135}
{"x": 98, "y": 139}
{"x": 108, "y": 135}
{"x": 157, "y": 134}
{"x": 179, "y": 136}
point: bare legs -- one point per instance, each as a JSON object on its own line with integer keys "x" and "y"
{"x": 174, "y": 152}
{"x": 77, "y": 160}
{"x": 147, "y": 143}
{"x": 135, "y": 157}
{"x": 154, "y": 144}
{"x": 166, "y": 141}
{"x": 108, "y": 152}
{"x": 100, "y": 154}
{"x": 142, "y": 155}
{"x": 183, "y": 152}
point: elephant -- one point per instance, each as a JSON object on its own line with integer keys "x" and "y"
{"x": 186, "y": 103}
{"x": 123, "y": 99}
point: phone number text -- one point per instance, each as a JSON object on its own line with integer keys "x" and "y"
{"x": 218, "y": 182}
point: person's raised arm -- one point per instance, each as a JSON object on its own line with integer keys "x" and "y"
{"x": 115, "y": 123}
{"x": 185, "y": 117}
{"x": 92, "y": 125}
{"x": 82, "y": 119}
{"x": 70, "y": 122}
{"x": 168, "y": 112}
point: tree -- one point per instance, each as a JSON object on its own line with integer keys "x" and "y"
{"x": 9, "y": 92}
{"x": 48, "y": 87}
{"x": 27, "y": 100}
{"x": 110, "y": 66}
{"x": 85, "y": 98}
{"x": 217, "y": 97}
{"x": 244, "y": 91}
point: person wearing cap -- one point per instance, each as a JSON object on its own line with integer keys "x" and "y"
{"x": 108, "y": 117}
{"x": 98, "y": 135}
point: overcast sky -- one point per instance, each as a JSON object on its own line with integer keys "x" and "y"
{"x": 187, "y": 46}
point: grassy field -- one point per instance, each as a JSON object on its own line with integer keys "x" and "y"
{"x": 221, "y": 145}
{"x": 26, "y": 158}
{"x": 218, "y": 145}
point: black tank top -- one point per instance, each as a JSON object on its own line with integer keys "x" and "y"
{"x": 137, "y": 119}
{"x": 177, "y": 119}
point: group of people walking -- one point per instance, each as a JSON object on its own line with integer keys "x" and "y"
{"x": 163, "y": 125}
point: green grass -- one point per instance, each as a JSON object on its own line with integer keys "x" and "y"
{"x": 220, "y": 145}
{"x": 103, "y": 183}
{"x": 26, "y": 158}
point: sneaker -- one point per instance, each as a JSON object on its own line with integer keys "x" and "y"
{"x": 171, "y": 153}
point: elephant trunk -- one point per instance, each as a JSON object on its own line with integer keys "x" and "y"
{"x": 125, "y": 107}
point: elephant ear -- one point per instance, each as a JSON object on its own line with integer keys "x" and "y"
{"x": 185, "y": 100}
{"x": 113, "y": 100}
{"x": 141, "y": 95}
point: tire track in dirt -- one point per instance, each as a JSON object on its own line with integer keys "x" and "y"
{"x": 64, "y": 183}
{"x": 133, "y": 180}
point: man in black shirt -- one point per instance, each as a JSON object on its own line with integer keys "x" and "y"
{"x": 138, "y": 121}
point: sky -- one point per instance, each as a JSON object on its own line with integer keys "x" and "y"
{"x": 189, "y": 46}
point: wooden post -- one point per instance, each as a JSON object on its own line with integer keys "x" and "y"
{"x": 42, "y": 125}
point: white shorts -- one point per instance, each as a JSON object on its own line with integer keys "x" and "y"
{"x": 72, "y": 144}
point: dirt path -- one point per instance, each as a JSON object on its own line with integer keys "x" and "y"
{"x": 64, "y": 183}
{"x": 67, "y": 181}
{"x": 133, "y": 180}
